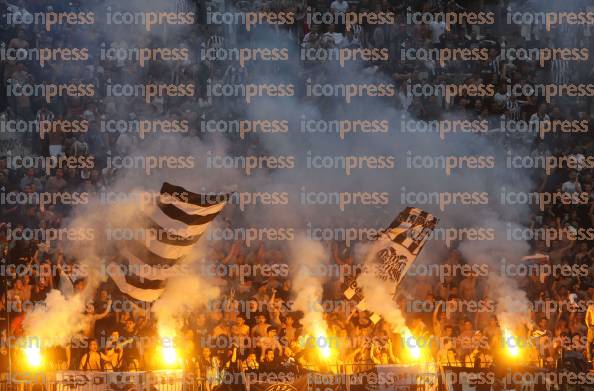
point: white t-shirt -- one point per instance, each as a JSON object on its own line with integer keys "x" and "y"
{"x": 339, "y": 7}
{"x": 500, "y": 98}
{"x": 571, "y": 187}
{"x": 581, "y": 161}
{"x": 333, "y": 38}
{"x": 437, "y": 29}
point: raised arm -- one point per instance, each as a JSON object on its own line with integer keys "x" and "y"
{"x": 104, "y": 313}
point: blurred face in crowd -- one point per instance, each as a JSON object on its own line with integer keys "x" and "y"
{"x": 124, "y": 317}
{"x": 467, "y": 325}
{"x": 217, "y": 316}
{"x": 200, "y": 320}
{"x": 205, "y": 352}
{"x": 129, "y": 325}
{"x": 79, "y": 286}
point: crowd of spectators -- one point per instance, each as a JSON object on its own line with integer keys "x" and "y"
{"x": 252, "y": 327}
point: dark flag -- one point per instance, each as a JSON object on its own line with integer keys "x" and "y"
{"x": 173, "y": 226}
{"x": 394, "y": 251}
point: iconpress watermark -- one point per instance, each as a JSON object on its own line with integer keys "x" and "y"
{"x": 544, "y": 127}
{"x": 148, "y": 91}
{"x": 142, "y": 127}
{"x": 248, "y": 91}
{"x": 49, "y": 19}
{"x": 249, "y": 19}
{"x": 148, "y": 19}
{"x": 42, "y": 55}
{"x": 243, "y": 126}
{"x": 349, "y": 163}
{"x": 443, "y": 55}
{"x": 343, "y": 55}
{"x": 243, "y": 55}
{"x": 450, "y": 18}
{"x": 249, "y": 163}
{"x": 43, "y": 127}
{"x": 343, "y": 198}
{"x": 443, "y": 127}
{"x": 48, "y": 91}
{"x": 550, "y": 18}
{"x": 342, "y": 127}
{"x": 349, "y": 91}
{"x": 443, "y": 199}
{"x": 49, "y": 163}
{"x": 143, "y": 55}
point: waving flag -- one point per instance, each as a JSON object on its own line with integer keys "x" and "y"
{"x": 394, "y": 251}
{"x": 175, "y": 224}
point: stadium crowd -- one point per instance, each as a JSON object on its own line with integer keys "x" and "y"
{"x": 252, "y": 327}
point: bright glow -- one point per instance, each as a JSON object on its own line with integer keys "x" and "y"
{"x": 415, "y": 353}
{"x": 169, "y": 355}
{"x": 511, "y": 343}
{"x": 323, "y": 343}
{"x": 33, "y": 356}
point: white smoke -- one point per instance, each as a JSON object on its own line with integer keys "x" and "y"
{"x": 62, "y": 315}
{"x": 183, "y": 294}
{"x": 512, "y": 302}
{"x": 300, "y": 145}
{"x": 56, "y": 324}
{"x": 308, "y": 284}
{"x": 378, "y": 294}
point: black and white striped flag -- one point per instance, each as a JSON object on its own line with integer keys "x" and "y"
{"x": 394, "y": 251}
{"x": 173, "y": 225}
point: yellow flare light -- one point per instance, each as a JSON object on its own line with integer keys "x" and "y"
{"x": 415, "y": 352}
{"x": 511, "y": 344}
{"x": 33, "y": 356}
{"x": 323, "y": 343}
{"x": 169, "y": 355}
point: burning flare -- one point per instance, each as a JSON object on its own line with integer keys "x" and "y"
{"x": 415, "y": 353}
{"x": 169, "y": 355}
{"x": 511, "y": 343}
{"x": 33, "y": 356}
{"x": 323, "y": 343}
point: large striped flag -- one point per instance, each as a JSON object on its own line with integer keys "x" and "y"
{"x": 394, "y": 251}
{"x": 175, "y": 224}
